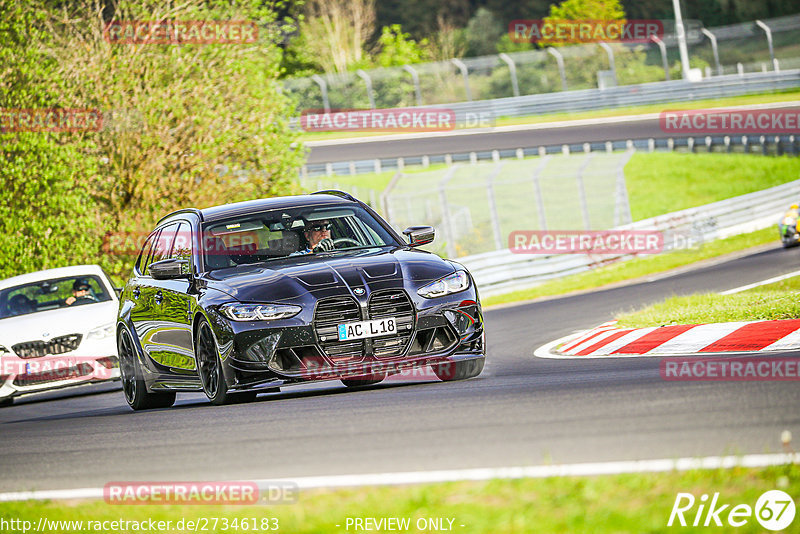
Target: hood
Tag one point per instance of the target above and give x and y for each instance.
(292, 277)
(54, 323)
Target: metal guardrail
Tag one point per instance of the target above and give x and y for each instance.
(501, 271)
(780, 144)
(632, 95)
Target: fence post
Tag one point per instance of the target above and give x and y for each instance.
(387, 212)
(768, 31)
(560, 60)
(622, 207)
(415, 77)
(323, 87)
(611, 64)
(538, 189)
(714, 49)
(663, 48)
(465, 74)
(493, 216)
(587, 225)
(446, 220)
(512, 70)
(361, 73)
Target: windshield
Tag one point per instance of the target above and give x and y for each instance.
(294, 232)
(44, 295)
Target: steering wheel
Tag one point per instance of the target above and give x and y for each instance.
(345, 240)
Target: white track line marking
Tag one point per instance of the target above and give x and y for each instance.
(458, 475)
(761, 283)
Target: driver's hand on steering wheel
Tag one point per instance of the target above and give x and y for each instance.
(325, 245)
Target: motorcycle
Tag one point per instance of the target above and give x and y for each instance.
(789, 232)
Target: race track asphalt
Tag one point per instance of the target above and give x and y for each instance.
(491, 140)
(521, 411)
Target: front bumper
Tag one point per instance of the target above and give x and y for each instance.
(432, 331)
(19, 376)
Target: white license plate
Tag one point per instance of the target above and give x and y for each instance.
(364, 329)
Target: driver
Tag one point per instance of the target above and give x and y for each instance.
(318, 237)
(81, 291)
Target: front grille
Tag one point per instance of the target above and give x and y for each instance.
(57, 345)
(329, 315)
(54, 375)
(392, 303)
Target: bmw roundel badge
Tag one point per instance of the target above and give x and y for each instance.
(359, 291)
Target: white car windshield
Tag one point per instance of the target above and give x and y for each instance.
(43, 295)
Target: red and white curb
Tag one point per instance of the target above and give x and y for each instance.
(607, 340)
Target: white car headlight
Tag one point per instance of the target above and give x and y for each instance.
(259, 312)
(102, 332)
(453, 283)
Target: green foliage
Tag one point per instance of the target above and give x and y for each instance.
(483, 33)
(188, 124)
(397, 48)
(47, 219)
(587, 10)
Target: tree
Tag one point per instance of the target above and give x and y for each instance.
(184, 124)
(396, 48)
(336, 32)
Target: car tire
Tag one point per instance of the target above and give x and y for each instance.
(6, 402)
(209, 368)
(133, 385)
(458, 370)
(366, 380)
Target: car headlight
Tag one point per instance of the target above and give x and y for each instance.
(102, 332)
(259, 312)
(453, 283)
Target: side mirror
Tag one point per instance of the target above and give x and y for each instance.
(419, 235)
(118, 291)
(169, 269)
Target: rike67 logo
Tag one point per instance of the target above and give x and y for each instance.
(774, 510)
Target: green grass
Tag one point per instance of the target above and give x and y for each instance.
(604, 504)
(764, 98)
(637, 267)
(769, 302)
(690, 179)
(661, 183)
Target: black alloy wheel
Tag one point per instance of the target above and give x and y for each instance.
(133, 385)
(209, 368)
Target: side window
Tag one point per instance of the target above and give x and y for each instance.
(182, 248)
(163, 245)
(144, 256)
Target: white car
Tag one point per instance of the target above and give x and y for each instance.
(56, 330)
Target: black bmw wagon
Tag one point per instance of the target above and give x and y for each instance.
(254, 296)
